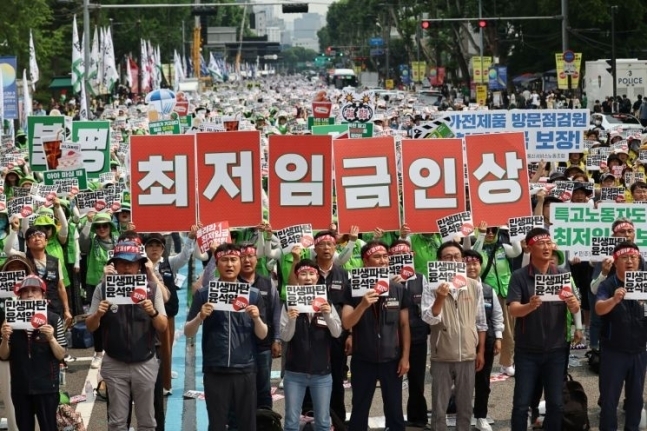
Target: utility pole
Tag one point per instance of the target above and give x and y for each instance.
(140, 74)
(86, 48)
(614, 74)
(196, 46)
(481, 33)
(387, 28)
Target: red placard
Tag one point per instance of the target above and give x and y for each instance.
(229, 177)
(498, 179)
(433, 182)
(163, 182)
(300, 180)
(366, 181)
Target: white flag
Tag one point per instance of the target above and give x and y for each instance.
(83, 109)
(34, 74)
(78, 68)
(158, 68)
(26, 100)
(145, 76)
(129, 73)
(110, 75)
(95, 65)
(178, 71)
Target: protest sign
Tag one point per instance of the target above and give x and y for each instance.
(550, 134)
(162, 168)
(126, 289)
(372, 278)
(22, 207)
(8, 282)
(69, 182)
(300, 180)
(402, 266)
(44, 194)
(333, 130)
(455, 224)
(602, 247)
(595, 161)
(520, 226)
(433, 186)
(91, 202)
(612, 194)
(295, 235)
(94, 138)
(166, 127)
(454, 273)
(39, 127)
(367, 184)
(636, 285)
(218, 232)
(229, 177)
(498, 181)
(25, 314)
(574, 225)
(306, 299)
(226, 296)
(562, 190)
(553, 287)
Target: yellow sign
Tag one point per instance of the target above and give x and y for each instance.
(481, 94)
(357, 69)
(565, 69)
(388, 84)
(480, 69)
(418, 70)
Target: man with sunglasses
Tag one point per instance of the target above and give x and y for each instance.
(47, 267)
(458, 328)
(539, 334)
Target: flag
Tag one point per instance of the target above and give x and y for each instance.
(129, 74)
(83, 108)
(1, 103)
(189, 66)
(178, 71)
(214, 68)
(158, 68)
(203, 67)
(34, 74)
(94, 81)
(110, 75)
(78, 68)
(26, 100)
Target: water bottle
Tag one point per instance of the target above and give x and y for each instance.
(62, 381)
(89, 391)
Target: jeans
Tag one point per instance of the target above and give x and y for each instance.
(548, 367)
(294, 387)
(263, 373)
(616, 369)
(594, 325)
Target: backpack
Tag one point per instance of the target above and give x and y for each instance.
(575, 416)
(593, 357)
(67, 419)
(268, 420)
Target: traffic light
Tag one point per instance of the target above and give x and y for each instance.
(204, 11)
(611, 67)
(482, 23)
(295, 8)
(425, 24)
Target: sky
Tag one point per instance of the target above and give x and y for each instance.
(319, 6)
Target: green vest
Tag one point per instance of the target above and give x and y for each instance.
(499, 274)
(388, 237)
(424, 249)
(355, 260)
(97, 259)
(54, 248)
(3, 256)
(70, 247)
(285, 266)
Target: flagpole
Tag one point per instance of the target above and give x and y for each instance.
(86, 46)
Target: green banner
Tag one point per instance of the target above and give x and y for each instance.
(38, 128)
(312, 121)
(360, 130)
(166, 127)
(334, 129)
(66, 179)
(94, 137)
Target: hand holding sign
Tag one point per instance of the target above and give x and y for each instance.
(535, 302)
(47, 331)
(381, 287)
(370, 298)
(443, 290)
(251, 310)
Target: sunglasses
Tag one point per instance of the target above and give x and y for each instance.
(102, 226)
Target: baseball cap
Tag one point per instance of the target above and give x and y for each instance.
(30, 281)
(155, 237)
(128, 251)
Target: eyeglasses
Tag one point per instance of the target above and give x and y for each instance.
(629, 257)
(37, 234)
(102, 226)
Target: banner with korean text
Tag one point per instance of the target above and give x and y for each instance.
(433, 186)
(229, 177)
(574, 226)
(366, 180)
(300, 180)
(163, 182)
(498, 177)
(550, 134)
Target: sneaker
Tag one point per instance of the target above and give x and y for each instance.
(96, 361)
(174, 375)
(281, 384)
(483, 425)
(508, 370)
(167, 392)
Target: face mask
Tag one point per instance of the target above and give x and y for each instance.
(598, 122)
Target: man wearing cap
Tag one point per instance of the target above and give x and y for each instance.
(166, 269)
(130, 365)
(380, 326)
(458, 333)
(623, 339)
(540, 343)
(228, 346)
(33, 354)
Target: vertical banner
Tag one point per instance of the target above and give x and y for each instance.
(163, 175)
(8, 68)
(94, 138)
(498, 177)
(300, 180)
(433, 183)
(498, 78)
(481, 95)
(437, 76)
(229, 177)
(480, 68)
(366, 181)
